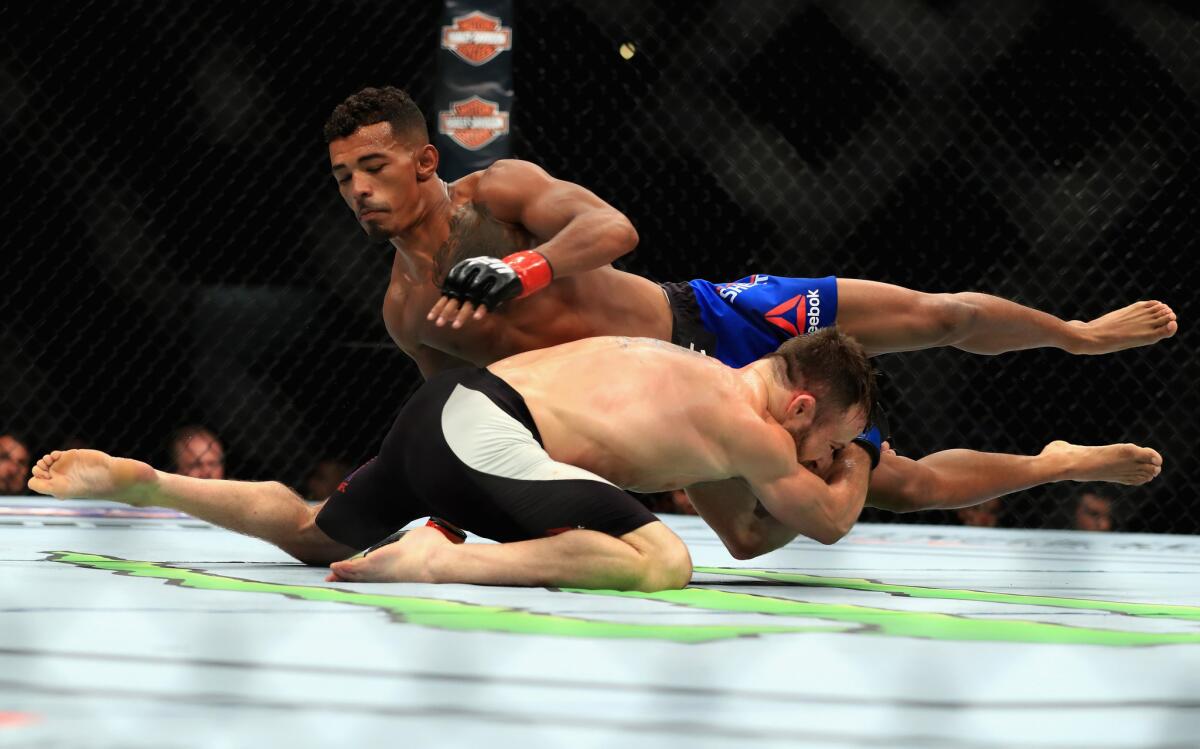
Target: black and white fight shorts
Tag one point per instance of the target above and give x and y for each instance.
(465, 448)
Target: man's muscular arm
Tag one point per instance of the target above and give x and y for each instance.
(822, 509)
(739, 519)
(576, 231)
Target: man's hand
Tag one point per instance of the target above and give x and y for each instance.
(478, 284)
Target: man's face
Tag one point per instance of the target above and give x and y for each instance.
(200, 456)
(376, 175)
(1093, 513)
(816, 442)
(14, 465)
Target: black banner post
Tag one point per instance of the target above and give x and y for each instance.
(475, 94)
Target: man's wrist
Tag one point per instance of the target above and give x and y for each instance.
(532, 268)
(857, 452)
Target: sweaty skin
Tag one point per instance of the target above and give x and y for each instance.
(392, 186)
(704, 422)
(604, 404)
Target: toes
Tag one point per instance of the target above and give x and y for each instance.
(1147, 455)
(346, 570)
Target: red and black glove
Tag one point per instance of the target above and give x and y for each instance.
(489, 282)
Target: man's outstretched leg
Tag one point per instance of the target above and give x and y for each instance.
(263, 509)
(944, 480)
(960, 478)
(887, 318)
(648, 559)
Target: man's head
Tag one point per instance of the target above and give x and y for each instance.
(198, 453)
(831, 387)
(382, 159)
(14, 464)
(1093, 512)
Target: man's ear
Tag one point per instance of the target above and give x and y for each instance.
(426, 159)
(803, 406)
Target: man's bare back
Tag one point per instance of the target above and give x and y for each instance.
(604, 404)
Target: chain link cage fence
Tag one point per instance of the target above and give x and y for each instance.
(175, 251)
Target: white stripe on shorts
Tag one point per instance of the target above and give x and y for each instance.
(484, 437)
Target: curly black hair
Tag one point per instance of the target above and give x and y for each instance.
(371, 105)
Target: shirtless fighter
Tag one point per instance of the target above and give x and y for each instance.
(475, 238)
(532, 451)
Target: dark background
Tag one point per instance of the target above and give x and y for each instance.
(175, 251)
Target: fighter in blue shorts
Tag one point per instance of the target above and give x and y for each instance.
(509, 259)
(736, 322)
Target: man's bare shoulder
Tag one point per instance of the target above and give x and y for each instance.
(505, 177)
(757, 446)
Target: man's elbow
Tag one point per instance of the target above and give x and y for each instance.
(744, 545)
(624, 236)
(829, 537)
(743, 552)
(832, 532)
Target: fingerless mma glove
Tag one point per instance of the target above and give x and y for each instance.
(489, 281)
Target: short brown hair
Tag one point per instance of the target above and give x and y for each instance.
(371, 105)
(831, 363)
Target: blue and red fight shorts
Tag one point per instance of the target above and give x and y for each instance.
(745, 320)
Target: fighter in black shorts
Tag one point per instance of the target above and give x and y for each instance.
(524, 260)
(465, 449)
(531, 451)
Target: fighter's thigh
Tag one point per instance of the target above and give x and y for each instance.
(887, 318)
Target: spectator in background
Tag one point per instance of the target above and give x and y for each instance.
(14, 464)
(196, 452)
(1093, 511)
(986, 515)
(324, 478)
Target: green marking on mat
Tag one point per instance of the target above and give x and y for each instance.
(1162, 610)
(923, 625)
(434, 612)
(865, 620)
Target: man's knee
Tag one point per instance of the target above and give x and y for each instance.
(667, 565)
(675, 567)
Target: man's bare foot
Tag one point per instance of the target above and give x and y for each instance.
(406, 561)
(1139, 324)
(1120, 464)
(91, 474)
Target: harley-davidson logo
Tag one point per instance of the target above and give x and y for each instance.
(477, 37)
(473, 123)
